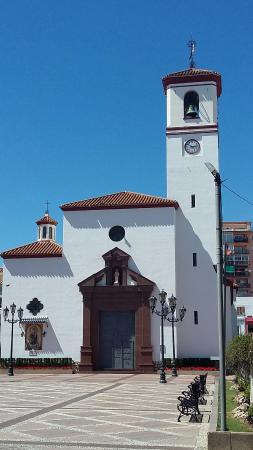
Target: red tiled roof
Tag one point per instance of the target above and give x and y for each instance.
(120, 200)
(192, 75)
(38, 249)
(47, 220)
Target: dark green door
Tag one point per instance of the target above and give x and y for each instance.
(116, 339)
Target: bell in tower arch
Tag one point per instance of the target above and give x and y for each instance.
(191, 105)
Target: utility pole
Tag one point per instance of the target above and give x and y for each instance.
(217, 181)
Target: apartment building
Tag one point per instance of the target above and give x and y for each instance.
(238, 237)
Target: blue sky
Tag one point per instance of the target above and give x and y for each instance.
(82, 110)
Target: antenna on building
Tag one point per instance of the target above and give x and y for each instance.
(192, 45)
(47, 209)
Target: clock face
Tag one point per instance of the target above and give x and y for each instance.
(192, 146)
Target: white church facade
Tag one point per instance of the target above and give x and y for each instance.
(88, 299)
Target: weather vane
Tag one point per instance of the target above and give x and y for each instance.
(192, 45)
(47, 210)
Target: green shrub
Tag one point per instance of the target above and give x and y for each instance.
(250, 412)
(244, 387)
(239, 357)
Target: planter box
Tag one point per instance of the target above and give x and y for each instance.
(38, 370)
(229, 440)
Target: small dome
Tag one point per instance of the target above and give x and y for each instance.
(46, 219)
(46, 228)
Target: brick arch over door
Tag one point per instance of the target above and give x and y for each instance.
(125, 291)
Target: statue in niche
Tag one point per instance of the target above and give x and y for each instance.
(33, 337)
(116, 277)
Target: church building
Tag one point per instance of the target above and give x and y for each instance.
(89, 298)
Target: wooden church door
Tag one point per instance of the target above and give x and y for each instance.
(116, 339)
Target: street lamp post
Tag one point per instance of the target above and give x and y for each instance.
(218, 208)
(173, 320)
(12, 321)
(164, 313)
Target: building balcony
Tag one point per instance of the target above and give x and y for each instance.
(240, 251)
(238, 264)
(242, 293)
(241, 238)
(243, 285)
(241, 273)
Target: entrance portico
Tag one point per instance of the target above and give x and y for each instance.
(116, 318)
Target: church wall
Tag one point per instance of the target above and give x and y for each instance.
(198, 292)
(149, 239)
(50, 280)
(195, 233)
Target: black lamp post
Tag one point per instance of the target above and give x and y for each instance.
(12, 321)
(221, 306)
(163, 314)
(173, 320)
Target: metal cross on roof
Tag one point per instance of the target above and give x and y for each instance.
(47, 209)
(192, 45)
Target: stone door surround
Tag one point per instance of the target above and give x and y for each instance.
(116, 288)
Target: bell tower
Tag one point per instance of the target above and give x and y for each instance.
(192, 140)
(46, 227)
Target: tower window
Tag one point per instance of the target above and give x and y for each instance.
(193, 200)
(191, 105)
(50, 233)
(196, 318)
(194, 259)
(44, 233)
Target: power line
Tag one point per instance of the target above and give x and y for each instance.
(238, 195)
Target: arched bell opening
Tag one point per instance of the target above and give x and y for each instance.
(191, 105)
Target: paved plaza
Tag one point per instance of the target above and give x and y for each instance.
(97, 411)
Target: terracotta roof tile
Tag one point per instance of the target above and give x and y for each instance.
(120, 200)
(38, 249)
(47, 220)
(192, 71)
(193, 74)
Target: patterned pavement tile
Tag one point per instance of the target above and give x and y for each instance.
(96, 411)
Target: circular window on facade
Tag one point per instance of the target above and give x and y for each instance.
(117, 233)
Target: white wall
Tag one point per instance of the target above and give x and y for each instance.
(149, 239)
(49, 280)
(247, 303)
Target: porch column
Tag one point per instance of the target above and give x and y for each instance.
(146, 350)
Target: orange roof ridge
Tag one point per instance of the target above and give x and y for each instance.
(120, 200)
(37, 249)
(46, 219)
(194, 75)
(191, 71)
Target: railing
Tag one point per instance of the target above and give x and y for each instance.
(240, 251)
(243, 285)
(241, 238)
(237, 263)
(243, 273)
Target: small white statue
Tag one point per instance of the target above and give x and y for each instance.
(116, 278)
